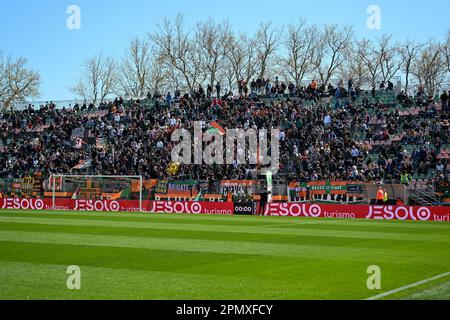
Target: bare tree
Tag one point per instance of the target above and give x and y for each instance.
(134, 69)
(98, 79)
(212, 42)
(267, 39)
(228, 75)
(409, 51)
(447, 51)
(242, 57)
(368, 53)
(178, 51)
(430, 67)
(17, 82)
(142, 70)
(354, 67)
(381, 59)
(174, 81)
(330, 47)
(299, 45)
(158, 74)
(389, 58)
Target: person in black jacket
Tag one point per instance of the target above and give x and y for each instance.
(218, 90)
(263, 202)
(444, 100)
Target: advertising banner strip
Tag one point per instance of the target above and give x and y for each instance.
(214, 208)
(228, 208)
(359, 212)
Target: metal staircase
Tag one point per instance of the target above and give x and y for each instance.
(424, 197)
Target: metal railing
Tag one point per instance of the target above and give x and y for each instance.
(424, 196)
(59, 104)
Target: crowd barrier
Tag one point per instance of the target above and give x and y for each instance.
(229, 208)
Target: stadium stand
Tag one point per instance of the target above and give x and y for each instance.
(327, 134)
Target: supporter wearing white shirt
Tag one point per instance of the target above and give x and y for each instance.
(355, 172)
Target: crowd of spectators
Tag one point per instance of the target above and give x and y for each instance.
(326, 133)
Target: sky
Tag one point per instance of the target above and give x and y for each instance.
(37, 29)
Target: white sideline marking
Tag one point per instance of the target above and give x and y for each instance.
(409, 286)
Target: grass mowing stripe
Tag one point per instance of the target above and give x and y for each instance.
(206, 235)
(317, 231)
(132, 257)
(439, 291)
(147, 216)
(236, 276)
(388, 226)
(243, 220)
(241, 279)
(23, 282)
(288, 277)
(211, 246)
(409, 286)
(340, 225)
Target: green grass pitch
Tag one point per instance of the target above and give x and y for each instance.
(144, 256)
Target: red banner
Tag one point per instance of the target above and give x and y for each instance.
(227, 208)
(359, 212)
(216, 208)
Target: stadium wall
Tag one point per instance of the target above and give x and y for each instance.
(228, 208)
